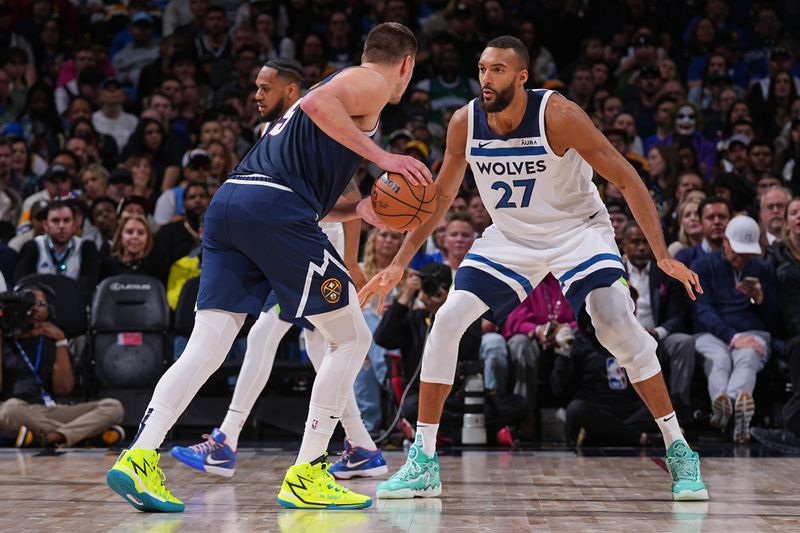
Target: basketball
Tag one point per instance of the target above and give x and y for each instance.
(400, 205)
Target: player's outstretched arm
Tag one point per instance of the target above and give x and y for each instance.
(447, 184)
(568, 126)
(359, 93)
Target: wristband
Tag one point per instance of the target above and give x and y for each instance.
(62, 342)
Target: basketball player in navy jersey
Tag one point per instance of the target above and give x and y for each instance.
(532, 153)
(279, 85)
(262, 234)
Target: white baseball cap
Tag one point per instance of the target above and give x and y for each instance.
(743, 234)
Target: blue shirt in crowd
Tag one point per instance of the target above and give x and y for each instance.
(722, 310)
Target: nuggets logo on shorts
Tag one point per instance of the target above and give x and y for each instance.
(331, 290)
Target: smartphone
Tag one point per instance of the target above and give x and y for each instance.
(751, 280)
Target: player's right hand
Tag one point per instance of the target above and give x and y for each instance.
(381, 285)
(413, 169)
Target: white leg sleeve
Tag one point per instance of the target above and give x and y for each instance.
(440, 358)
(213, 334)
(616, 327)
(351, 416)
(262, 344)
(348, 339)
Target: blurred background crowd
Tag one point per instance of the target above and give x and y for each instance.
(120, 120)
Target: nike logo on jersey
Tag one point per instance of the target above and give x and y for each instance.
(482, 145)
(594, 215)
(356, 464)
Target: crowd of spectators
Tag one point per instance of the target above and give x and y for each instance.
(119, 121)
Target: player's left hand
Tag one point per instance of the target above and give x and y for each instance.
(679, 271)
(365, 212)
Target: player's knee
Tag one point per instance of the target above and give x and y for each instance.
(617, 329)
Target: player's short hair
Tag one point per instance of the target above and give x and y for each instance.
(289, 69)
(511, 42)
(388, 43)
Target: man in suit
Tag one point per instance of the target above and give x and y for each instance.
(662, 310)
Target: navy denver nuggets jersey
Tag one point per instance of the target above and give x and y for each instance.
(295, 151)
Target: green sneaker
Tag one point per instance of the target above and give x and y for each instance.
(418, 477)
(684, 466)
(137, 477)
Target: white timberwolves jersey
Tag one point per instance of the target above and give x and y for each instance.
(530, 192)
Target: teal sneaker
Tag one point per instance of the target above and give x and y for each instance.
(418, 477)
(684, 466)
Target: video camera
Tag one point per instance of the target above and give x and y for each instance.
(14, 312)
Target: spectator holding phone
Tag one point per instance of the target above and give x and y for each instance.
(734, 315)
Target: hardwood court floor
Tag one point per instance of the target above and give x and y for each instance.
(483, 491)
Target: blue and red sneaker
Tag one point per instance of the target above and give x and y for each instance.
(212, 456)
(358, 462)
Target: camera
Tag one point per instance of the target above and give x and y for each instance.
(14, 310)
(435, 277)
(430, 284)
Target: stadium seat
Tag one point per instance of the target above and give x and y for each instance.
(70, 306)
(128, 331)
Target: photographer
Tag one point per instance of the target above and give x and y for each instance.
(35, 365)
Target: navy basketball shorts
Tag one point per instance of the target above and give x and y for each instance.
(260, 237)
(503, 271)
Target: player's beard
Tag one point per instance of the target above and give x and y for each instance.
(275, 112)
(501, 100)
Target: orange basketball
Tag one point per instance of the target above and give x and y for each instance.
(400, 205)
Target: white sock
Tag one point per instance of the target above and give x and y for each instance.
(319, 427)
(354, 426)
(211, 338)
(232, 426)
(426, 437)
(670, 429)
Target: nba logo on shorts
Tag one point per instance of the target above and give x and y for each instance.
(331, 290)
(617, 379)
(314, 423)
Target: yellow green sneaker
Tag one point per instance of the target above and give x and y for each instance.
(311, 486)
(137, 477)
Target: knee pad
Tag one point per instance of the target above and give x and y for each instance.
(616, 327)
(441, 349)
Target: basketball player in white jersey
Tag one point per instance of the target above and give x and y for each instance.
(279, 85)
(532, 154)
